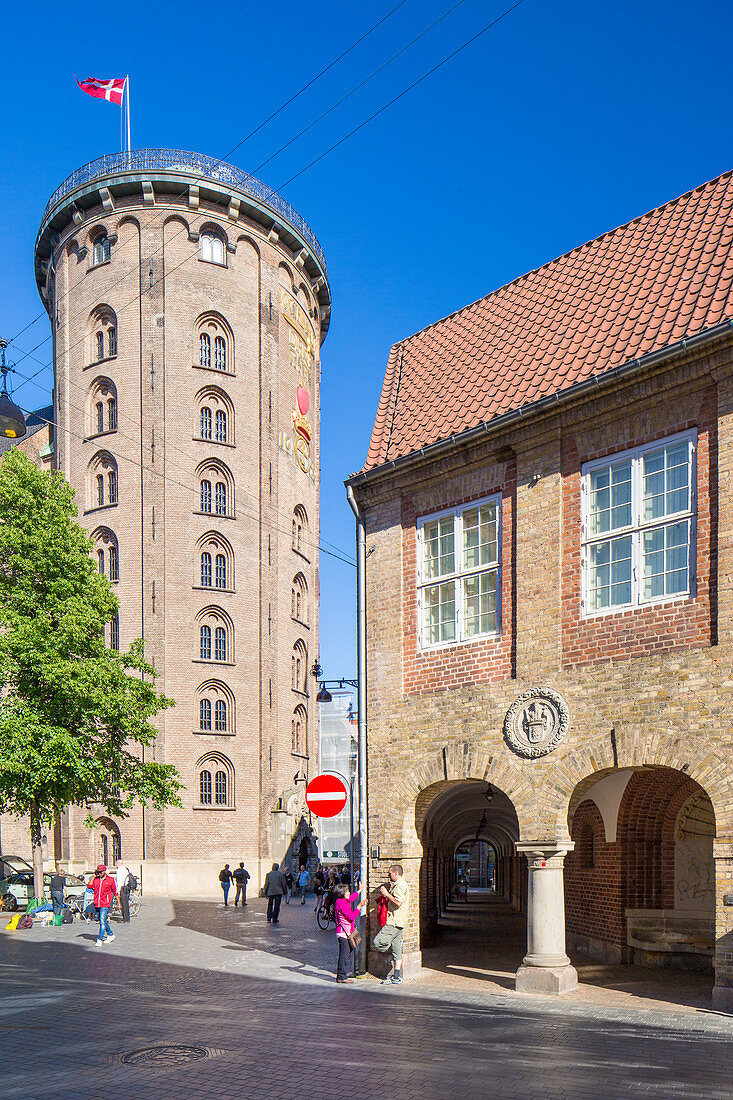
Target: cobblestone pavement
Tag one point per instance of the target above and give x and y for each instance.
(192, 1000)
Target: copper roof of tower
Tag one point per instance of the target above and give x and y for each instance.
(664, 276)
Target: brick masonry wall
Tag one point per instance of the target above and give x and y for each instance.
(660, 696)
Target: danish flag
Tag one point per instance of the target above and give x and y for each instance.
(111, 90)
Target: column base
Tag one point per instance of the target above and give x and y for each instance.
(545, 979)
(723, 998)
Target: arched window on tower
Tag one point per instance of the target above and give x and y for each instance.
(212, 248)
(205, 495)
(220, 789)
(204, 350)
(300, 531)
(100, 560)
(299, 745)
(216, 702)
(221, 498)
(221, 571)
(221, 426)
(206, 422)
(299, 667)
(101, 251)
(100, 416)
(111, 341)
(220, 793)
(220, 716)
(205, 642)
(114, 633)
(114, 564)
(220, 644)
(112, 414)
(206, 570)
(220, 353)
(205, 787)
(100, 489)
(112, 486)
(299, 599)
(205, 715)
(100, 346)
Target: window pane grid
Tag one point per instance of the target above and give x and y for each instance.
(460, 554)
(651, 560)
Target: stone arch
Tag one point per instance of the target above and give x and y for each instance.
(213, 692)
(299, 607)
(107, 842)
(102, 334)
(214, 764)
(244, 238)
(106, 545)
(99, 494)
(299, 672)
(285, 276)
(177, 219)
(215, 618)
(130, 219)
(568, 784)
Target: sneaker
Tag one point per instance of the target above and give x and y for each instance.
(393, 979)
(99, 943)
(387, 980)
(109, 939)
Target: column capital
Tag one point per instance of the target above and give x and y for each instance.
(545, 854)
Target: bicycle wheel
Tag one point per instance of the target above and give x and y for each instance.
(134, 904)
(323, 917)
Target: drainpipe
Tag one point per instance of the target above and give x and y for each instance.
(361, 697)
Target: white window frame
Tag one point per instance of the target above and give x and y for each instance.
(459, 573)
(638, 526)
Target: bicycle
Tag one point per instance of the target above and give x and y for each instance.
(325, 913)
(134, 901)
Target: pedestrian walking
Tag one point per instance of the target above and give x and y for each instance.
(288, 885)
(389, 938)
(304, 881)
(225, 881)
(274, 889)
(241, 878)
(346, 935)
(58, 885)
(122, 882)
(104, 888)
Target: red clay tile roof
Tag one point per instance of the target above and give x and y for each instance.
(664, 276)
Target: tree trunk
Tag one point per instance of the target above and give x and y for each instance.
(36, 849)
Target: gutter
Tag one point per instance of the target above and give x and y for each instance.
(361, 674)
(505, 420)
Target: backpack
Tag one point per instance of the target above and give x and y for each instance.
(131, 882)
(25, 921)
(68, 917)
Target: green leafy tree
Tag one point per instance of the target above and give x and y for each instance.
(74, 715)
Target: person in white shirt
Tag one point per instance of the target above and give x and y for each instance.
(122, 882)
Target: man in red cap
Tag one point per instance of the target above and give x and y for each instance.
(104, 889)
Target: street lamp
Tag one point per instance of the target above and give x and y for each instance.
(12, 421)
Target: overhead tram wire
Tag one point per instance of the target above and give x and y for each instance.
(404, 92)
(224, 157)
(190, 488)
(375, 114)
(152, 470)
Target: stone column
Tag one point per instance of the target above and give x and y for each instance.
(545, 968)
(723, 990)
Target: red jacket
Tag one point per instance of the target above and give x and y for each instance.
(104, 890)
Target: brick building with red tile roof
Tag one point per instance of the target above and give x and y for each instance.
(548, 516)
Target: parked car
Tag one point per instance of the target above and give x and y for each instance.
(16, 889)
(9, 865)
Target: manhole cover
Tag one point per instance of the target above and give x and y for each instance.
(163, 1057)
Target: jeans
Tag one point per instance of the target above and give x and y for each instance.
(57, 900)
(225, 890)
(303, 892)
(241, 889)
(104, 928)
(346, 953)
(273, 907)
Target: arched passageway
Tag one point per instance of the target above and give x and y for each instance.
(640, 882)
(472, 881)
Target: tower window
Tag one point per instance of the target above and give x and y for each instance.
(221, 788)
(102, 251)
(221, 426)
(205, 643)
(221, 570)
(100, 489)
(111, 341)
(205, 788)
(212, 248)
(205, 714)
(100, 416)
(114, 565)
(114, 633)
(206, 496)
(221, 499)
(112, 414)
(220, 644)
(100, 560)
(206, 570)
(112, 482)
(204, 350)
(220, 353)
(100, 346)
(206, 422)
(220, 719)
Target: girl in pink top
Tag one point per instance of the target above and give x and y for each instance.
(346, 919)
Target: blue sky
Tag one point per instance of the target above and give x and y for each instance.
(565, 120)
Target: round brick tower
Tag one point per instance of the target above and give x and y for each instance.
(188, 304)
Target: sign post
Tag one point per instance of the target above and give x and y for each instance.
(326, 796)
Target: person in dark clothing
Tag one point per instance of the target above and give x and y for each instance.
(274, 889)
(241, 878)
(58, 885)
(225, 880)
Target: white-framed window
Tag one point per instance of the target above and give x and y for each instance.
(101, 251)
(459, 573)
(212, 248)
(638, 526)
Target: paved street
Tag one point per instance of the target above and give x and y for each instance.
(259, 1012)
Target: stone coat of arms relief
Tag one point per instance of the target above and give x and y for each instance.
(536, 722)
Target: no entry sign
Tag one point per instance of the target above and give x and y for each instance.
(326, 795)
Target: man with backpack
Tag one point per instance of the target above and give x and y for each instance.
(124, 883)
(241, 878)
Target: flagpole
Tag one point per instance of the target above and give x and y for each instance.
(127, 101)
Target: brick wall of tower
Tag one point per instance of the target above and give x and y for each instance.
(158, 286)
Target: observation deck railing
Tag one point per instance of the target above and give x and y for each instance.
(172, 160)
